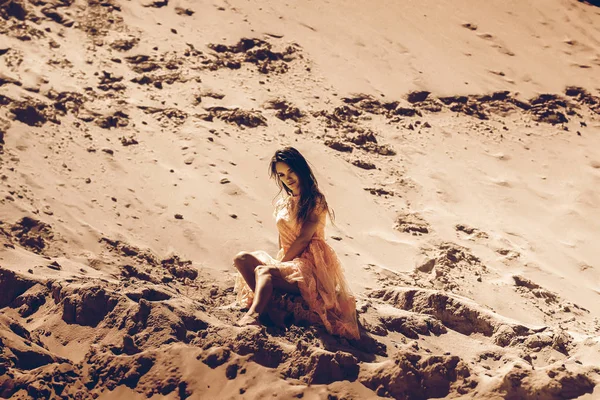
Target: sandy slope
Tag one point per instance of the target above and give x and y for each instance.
(457, 142)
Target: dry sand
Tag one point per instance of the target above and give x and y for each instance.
(458, 143)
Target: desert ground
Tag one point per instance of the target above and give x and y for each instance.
(458, 143)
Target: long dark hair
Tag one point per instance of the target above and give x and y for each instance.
(310, 195)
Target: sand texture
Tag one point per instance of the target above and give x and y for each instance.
(458, 143)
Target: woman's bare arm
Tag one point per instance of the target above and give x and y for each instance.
(306, 233)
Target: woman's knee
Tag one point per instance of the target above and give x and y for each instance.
(263, 271)
(241, 259)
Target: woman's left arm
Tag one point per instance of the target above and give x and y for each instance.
(306, 233)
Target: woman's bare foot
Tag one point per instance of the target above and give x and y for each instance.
(249, 319)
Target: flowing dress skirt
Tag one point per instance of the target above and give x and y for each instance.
(319, 276)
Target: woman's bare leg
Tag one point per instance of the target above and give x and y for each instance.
(267, 278)
(246, 263)
(264, 289)
(262, 294)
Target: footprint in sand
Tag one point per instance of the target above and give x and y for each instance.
(496, 43)
(470, 232)
(412, 223)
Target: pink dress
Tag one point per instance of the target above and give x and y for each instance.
(317, 271)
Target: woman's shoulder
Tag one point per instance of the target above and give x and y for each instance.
(321, 206)
(280, 203)
(320, 202)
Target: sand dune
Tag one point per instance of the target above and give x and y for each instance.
(457, 142)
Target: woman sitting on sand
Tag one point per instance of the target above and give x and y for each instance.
(305, 263)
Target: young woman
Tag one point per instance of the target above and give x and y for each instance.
(305, 263)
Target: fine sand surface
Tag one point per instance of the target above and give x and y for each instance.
(458, 143)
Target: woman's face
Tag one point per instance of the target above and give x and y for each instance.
(288, 176)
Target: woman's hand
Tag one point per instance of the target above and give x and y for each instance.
(306, 233)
